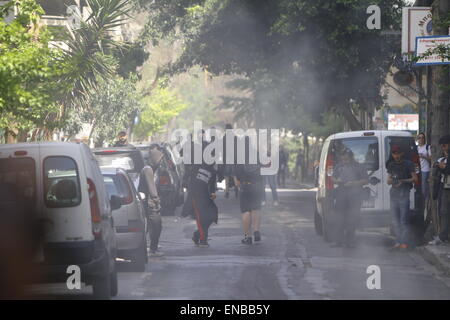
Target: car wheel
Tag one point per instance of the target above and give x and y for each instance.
(139, 259)
(318, 223)
(102, 284)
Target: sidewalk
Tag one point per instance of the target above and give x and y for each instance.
(439, 256)
(292, 184)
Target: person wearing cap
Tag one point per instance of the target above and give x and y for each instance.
(122, 140)
(442, 191)
(350, 176)
(401, 176)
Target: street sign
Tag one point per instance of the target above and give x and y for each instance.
(426, 44)
(416, 22)
(408, 122)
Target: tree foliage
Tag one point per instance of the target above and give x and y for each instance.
(317, 54)
(29, 69)
(158, 108)
(111, 107)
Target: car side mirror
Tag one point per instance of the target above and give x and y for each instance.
(374, 181)
(115, 202)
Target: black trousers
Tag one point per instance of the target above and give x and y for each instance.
(444, 214)
(347, 212)
(204, 220)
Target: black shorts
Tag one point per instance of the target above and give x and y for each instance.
(250, 197)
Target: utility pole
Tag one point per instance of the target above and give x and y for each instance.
(439, 109)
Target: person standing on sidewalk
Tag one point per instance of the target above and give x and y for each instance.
(401, 176)
(272, 181)
(442, 166)
(350, 177)
(283, 171)
(424, 150)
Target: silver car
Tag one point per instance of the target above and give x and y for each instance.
(129, 220)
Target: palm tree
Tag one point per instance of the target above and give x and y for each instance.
(88, 54)
(87, 58)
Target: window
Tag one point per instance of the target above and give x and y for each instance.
(364, 149)
(61, 182)
(18, 180)
(123, 161)
(116, 185)
(407, 144)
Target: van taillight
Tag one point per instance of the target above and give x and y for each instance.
(96, 216)
(329, 167)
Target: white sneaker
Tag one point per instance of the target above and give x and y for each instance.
(156, 254)
(435, 242)
(275, 203)
(263, 203)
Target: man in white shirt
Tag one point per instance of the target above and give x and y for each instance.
(425, 163)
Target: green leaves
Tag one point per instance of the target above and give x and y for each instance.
(29, 71)
(88, 56)
(157, 110)
(109, 107)
(36, 81)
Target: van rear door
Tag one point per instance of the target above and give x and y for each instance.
(65, 194)
(366, 150)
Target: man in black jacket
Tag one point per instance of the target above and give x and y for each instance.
(200, 201)
(122, 140)
(442, 166)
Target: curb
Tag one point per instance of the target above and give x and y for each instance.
(438, 256)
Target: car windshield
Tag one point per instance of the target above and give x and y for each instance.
(407, 145)
(116, 160)
(365, 150)
(116, 185)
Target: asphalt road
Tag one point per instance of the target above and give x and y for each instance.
(291, 262)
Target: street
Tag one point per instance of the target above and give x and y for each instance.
(291, 262)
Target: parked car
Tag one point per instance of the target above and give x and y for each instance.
(130, 219)
(168, 180)
(129, 159)
(63, 183)
(371, 149)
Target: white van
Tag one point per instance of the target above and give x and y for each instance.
(63, 185)
(372, 149)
